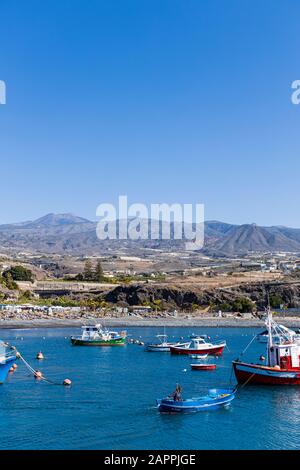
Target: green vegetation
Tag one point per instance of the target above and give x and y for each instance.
(98, 275)
(95, 274)
(276, 300)
(243, 305)
(225, 307)
(65, 301)
(127, 278)
(19, 273)
(8, 282)
(240, 304)
(91, 274)
(88, 271)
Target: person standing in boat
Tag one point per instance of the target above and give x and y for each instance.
(177, 394)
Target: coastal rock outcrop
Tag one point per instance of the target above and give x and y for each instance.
(176, 296)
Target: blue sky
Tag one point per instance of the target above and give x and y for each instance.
(162, 100)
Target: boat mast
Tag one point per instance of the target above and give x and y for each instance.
(269, 328)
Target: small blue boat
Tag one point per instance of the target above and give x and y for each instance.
(7, 358)
(216, 398)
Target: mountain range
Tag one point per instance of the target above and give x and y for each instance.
(70, 234)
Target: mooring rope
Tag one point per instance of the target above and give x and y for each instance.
(245, 383)
(32, 370)
(248, 345)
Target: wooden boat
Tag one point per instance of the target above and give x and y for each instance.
(203, 366)
(282, 365)
(96, 336)
(216, 398)
(162, 346)
(198, 346)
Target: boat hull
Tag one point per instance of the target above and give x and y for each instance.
(259, 375)
(111, 342)
(154, 348)
(164, 347)
(203, 366)
(4, 368)
(222, 399)
(214, 351)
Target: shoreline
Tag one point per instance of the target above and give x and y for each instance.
(143, 322)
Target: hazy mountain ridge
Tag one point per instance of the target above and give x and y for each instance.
(68, 233)
(252, 238)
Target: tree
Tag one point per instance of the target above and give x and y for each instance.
(9, 282)
(98, 276)
(19, 273)
(88, 272)
(26, 295)
(243, 305)
(276, 300)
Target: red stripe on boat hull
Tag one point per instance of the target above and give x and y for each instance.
(253, 378)
(217, 351)
(203, 367)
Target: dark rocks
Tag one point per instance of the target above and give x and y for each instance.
(176, 296)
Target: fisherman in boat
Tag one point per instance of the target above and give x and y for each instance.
(177, 394)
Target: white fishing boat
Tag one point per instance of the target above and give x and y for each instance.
(263, 336)
(95, 335)
(199, 346)
(162, 345)
(281, 366)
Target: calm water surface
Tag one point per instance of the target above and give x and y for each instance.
(111, 404)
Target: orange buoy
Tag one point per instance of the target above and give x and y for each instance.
(14, 366)
(11, 369)
(67, 382)
(40, 355)
(38, 374)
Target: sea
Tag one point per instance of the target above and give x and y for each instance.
(112, 401)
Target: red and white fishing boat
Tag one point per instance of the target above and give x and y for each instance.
(282, 364)
(199, 345)
(203, 366)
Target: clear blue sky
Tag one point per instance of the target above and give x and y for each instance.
(163, 100)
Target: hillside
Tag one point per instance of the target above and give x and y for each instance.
(67, 233)
(252, 238)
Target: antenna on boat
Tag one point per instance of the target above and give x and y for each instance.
(269, 326)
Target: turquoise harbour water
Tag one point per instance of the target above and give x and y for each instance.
(111, 404)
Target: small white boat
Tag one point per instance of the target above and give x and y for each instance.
(199, 356)
(199, 346)
(162, 346)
